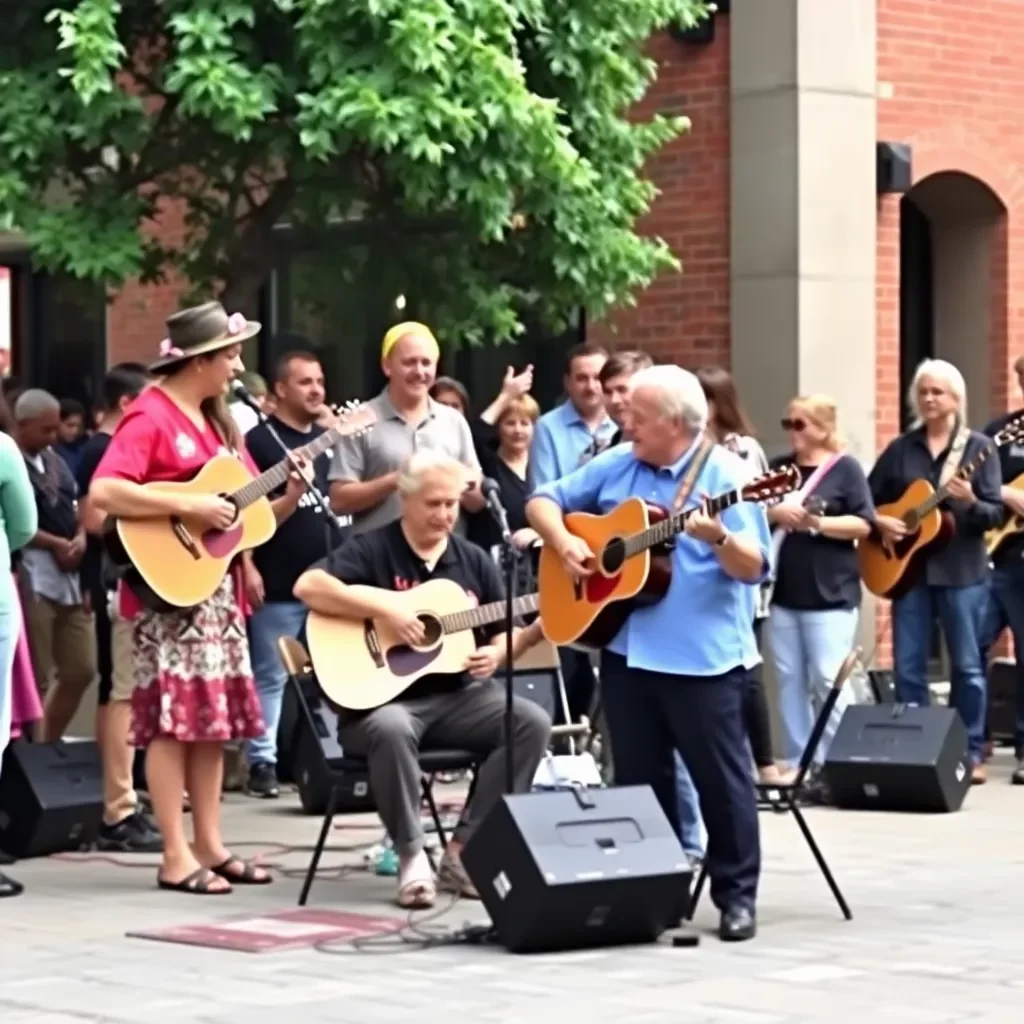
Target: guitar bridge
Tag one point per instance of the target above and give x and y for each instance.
(185, 538)
(372, 642)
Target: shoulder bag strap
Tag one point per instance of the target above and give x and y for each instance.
(700, 457)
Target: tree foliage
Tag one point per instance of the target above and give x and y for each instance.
(487, 144)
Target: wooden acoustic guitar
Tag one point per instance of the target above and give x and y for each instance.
(362, 664)
(171, 562)
(892, 569)
(633, 563)
(1014, 524)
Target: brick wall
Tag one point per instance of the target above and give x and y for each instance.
(685, 317)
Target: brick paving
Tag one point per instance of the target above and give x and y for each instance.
(937, 903)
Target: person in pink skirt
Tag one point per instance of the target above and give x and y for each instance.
(194, 688)
(26, 707)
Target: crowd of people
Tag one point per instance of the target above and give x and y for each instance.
(685, 709)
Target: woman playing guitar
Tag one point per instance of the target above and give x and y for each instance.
(193, 682)
(953, 582)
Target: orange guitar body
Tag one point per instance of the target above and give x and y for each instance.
(175, 563)
(891, 571)
(589, 612)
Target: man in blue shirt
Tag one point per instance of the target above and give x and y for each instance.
(675, 675)
(563, 440)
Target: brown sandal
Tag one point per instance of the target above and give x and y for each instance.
(246, 876)
(198, 884)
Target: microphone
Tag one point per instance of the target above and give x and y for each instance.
(241, 392)
(491, 490)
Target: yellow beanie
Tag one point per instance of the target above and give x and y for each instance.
(399, 331)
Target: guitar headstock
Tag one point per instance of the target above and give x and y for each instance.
(353, 418)
(772, 485)
(1013, 431)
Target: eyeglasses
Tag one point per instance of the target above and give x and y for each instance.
(795, 425)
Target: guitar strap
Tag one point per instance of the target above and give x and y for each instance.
(955, 456)
(700, 457)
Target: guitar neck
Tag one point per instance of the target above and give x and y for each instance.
(277, 475)
(473, 618)
(663, 532)
(963, 473)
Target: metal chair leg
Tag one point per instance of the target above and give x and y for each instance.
(314, 863)
(427, 785)
(697, 890)
(825, 870)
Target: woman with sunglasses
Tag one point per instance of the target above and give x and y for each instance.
(816, 596)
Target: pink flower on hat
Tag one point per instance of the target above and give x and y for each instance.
(236, 323)
(167, 349)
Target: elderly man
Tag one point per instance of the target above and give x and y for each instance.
(464, 710)
(60, 628)
(668, 688)
(365, 471)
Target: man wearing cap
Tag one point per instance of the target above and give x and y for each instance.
(364, 473)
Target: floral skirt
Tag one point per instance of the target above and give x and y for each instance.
(193, 677)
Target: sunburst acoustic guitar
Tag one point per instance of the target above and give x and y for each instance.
(1014, 524)
(362, 664)
(633, 563)
(170, 562)
(891, 570)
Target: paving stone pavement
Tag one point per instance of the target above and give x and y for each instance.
(935, 938)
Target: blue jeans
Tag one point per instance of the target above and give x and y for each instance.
(275, 619)
(691, 824)
(962, 612)
(1006, 609)
(807, 649)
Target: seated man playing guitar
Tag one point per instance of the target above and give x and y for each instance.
(464, 711)
(675, 676)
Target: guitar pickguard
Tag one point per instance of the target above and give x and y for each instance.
(599, 588)
(404, 660)
(221, 543)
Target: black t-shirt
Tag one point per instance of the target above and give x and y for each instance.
(1011, 466)
(816, 573)
(481, 527)
(302, 538)
(383, 558)
(89, 457)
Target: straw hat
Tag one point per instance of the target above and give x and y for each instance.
(201, 330)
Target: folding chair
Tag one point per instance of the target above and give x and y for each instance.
(784, 798)
(299, 667)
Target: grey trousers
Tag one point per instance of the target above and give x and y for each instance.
(472, 719)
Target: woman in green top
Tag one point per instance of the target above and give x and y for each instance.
(18, 525)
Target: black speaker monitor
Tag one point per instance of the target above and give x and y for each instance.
(51, 798)
(896, 757)
(571, 869)
(893, 168)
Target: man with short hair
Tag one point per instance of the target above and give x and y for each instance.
(125, 827)
(464, 711)
(302, 538)
(675, 676)
(616, 378)
(579, 428)
(364, 473)
(60, 630)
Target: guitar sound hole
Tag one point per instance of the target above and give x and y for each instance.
(431, 628)
(613, 556)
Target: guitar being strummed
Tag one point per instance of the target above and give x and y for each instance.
(936, 493)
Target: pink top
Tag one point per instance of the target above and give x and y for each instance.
(156, 441)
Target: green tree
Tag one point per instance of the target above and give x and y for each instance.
(487, 144)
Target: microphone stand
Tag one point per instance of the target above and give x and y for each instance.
(509, 565)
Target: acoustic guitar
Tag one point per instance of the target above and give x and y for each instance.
(173, 562)
(633, 563)
(1014, 524)
(893, 569)
(362, 664)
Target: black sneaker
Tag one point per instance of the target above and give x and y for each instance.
(1017, 778)
(134, 834)
(263, 782)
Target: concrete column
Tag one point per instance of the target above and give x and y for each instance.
(803, 124)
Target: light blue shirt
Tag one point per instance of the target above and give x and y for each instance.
(562, 442)
(704, 626)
